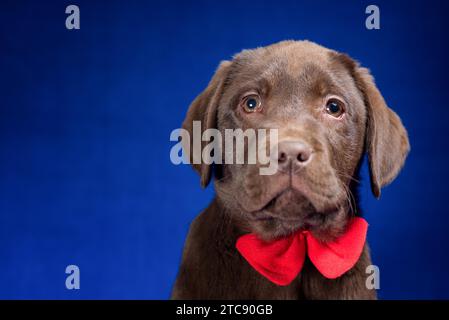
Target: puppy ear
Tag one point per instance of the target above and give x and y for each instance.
(204, 109)
(386, 142)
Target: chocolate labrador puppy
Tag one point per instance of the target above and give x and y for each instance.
(328, 112)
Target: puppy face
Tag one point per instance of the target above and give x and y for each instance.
(326, 109)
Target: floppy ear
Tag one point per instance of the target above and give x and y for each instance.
(386, 142)
(204, 109)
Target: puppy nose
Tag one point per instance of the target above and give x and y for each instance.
(296, 153)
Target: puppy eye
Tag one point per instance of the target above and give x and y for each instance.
(335, 108)
(252, 103)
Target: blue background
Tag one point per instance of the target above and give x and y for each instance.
(85, 119)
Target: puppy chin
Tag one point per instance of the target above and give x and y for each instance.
(272, 229)
(325, 226)
(282, 216)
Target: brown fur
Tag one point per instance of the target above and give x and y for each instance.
(293, 79)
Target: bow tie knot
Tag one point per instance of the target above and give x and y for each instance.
(281, 260)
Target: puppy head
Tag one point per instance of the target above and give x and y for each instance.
(327, 111)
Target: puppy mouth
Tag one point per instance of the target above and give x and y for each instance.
(307, 221)
(290, 211)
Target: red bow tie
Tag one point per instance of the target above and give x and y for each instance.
(281, 261)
